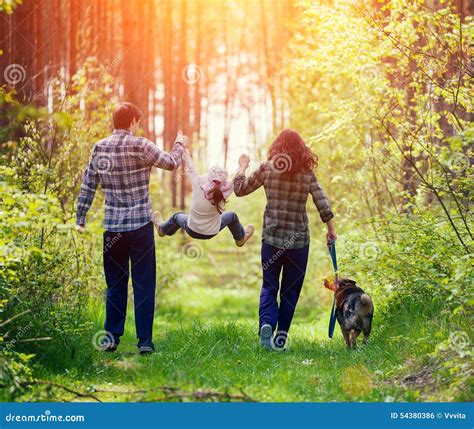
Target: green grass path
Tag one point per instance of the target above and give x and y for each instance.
(206, 341)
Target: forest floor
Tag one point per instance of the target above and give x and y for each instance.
(206, 342)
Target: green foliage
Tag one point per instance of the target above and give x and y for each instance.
(206, 337)
(377, 92)
(423, 249)
(413, 265)
(14, 374)
(383, 96)
(47, 272)
(380, 99)
(50, 274)
(42, 273)
(54, 146)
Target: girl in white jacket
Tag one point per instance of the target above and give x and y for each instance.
(206, 215)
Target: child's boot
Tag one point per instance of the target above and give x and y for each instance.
(249, 230)
(157, 221)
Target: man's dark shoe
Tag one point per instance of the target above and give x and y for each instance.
(146, 350)
(108, 346)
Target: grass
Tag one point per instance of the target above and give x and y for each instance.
(205, 335)
(206, 340)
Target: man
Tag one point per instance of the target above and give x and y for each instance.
(122, 164)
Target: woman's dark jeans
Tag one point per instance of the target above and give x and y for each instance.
(180, 220)
(292, 264)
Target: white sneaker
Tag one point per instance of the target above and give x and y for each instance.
(249, 230)
(157, 220)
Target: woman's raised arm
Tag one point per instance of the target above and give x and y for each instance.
(246, 185)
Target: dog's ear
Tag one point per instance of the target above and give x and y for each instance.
(347, 283)
(330, 284)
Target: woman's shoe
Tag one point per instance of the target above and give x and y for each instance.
(266, 340)
(249, 230)
(279, 341)
(157, 221)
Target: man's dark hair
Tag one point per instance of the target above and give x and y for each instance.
(125, 114)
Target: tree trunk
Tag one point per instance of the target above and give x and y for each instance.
(73, 20)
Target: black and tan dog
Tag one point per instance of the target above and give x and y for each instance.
(354, 310)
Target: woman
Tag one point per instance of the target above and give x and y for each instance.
(288, 179)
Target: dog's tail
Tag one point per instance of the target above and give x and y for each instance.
(365, 305)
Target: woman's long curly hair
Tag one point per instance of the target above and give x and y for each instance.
(290, 154)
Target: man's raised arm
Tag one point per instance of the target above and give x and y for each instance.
(155, 157)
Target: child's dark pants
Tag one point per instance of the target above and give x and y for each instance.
(180, 220)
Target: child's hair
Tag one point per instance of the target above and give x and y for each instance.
(216, 186)
(216, 196)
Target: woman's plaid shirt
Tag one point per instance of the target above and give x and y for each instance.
(122, 164)
(285, 222)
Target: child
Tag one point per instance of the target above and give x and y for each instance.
(206, 217)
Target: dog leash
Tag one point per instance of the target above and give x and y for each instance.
(332, 317)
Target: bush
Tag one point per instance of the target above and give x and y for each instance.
(418, 272)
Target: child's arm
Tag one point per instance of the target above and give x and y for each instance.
(229, 190)
(193, 174)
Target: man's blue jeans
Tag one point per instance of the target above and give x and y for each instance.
(180, 220)
(121, 249)
(291, 264)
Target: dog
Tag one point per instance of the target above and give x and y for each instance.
(354, 310)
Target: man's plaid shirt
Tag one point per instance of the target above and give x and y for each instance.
(122, 164)
(285, 222)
